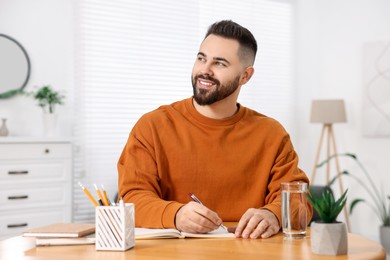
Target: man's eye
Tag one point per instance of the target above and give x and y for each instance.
(220, 64)
(201, 59)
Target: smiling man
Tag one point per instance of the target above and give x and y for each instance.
(231, 157)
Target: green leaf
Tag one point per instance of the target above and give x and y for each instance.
(354, 203)
(333, 180)
(327, 208)
(351, 155)
(48, 98)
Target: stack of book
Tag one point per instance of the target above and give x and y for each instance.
(63, 234)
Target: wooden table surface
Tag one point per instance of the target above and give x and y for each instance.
(191, 248)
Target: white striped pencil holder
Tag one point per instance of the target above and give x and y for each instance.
(115, 227)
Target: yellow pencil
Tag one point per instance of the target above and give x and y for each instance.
(89, 195)
(100, 195)
(106, 200)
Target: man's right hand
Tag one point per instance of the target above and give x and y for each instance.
(196, 218)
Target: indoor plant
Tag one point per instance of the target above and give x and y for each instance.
(328, 236)
(47, 99)
(380, 203)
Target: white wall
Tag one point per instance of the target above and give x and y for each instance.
(45, 29)
(329, 43)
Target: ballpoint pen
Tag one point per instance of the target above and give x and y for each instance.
(194, 198)
(86, 191)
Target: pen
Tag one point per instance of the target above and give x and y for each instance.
(100, 195)
(89, 195)
(194, 198)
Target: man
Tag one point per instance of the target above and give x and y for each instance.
(231, 157)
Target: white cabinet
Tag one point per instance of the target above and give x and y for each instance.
(35, 183)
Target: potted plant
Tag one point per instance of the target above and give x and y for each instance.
(379, 202)
(328, 236)
(47, 99)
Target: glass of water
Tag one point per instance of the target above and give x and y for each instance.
(294, 209)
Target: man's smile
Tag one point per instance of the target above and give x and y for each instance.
(205, 84)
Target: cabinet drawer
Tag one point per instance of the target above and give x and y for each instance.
(16, 224)
(34, 151)
(34, 197)
(25, 172)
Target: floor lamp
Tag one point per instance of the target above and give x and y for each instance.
(328, 112)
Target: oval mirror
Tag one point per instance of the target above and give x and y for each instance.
(14, 67)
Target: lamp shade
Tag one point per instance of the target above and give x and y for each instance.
(328, 111)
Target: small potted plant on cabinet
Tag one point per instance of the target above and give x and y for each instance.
(47, 99)
(328, 236)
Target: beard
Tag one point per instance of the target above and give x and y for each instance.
(209, 96)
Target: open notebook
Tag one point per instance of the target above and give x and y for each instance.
(151, 233)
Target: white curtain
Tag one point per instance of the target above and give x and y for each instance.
(133, 56)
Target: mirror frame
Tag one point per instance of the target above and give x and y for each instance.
(13, 92)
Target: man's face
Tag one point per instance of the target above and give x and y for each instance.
(217, 70)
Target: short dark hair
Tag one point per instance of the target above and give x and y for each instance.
(231, 30)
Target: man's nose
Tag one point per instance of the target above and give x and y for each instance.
(206, 69)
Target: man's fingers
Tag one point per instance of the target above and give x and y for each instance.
(271, 230)
(196, 218)
(252, 224)
(243, 222)
(208, 217)
(261, 229)
(257, 223)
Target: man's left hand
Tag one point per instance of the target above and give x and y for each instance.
(256, 223)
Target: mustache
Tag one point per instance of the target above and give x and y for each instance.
(206, 77)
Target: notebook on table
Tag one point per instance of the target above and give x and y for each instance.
(61, 230)
(154, 233)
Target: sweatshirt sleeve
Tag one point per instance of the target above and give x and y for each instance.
(138, 183)
(285, 169)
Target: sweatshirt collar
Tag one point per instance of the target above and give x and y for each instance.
(210, 121)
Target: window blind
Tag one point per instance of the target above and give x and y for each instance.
(133, 56)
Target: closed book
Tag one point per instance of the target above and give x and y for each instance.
(64, 241)
(61, 230)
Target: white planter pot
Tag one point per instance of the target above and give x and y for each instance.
(329, 238)
(49, 124)
(385, 237)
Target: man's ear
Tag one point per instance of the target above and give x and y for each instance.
(247, 75)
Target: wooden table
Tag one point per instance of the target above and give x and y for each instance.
(191, 248)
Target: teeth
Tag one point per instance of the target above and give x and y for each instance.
(205, 83)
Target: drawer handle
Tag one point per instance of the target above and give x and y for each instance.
(17, 225)
(23, 197)
(17, 172)
(47, 151)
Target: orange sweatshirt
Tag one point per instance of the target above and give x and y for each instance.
(231, 165)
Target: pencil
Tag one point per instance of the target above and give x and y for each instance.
(89, 195)
(105, 197)
(99, 195)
